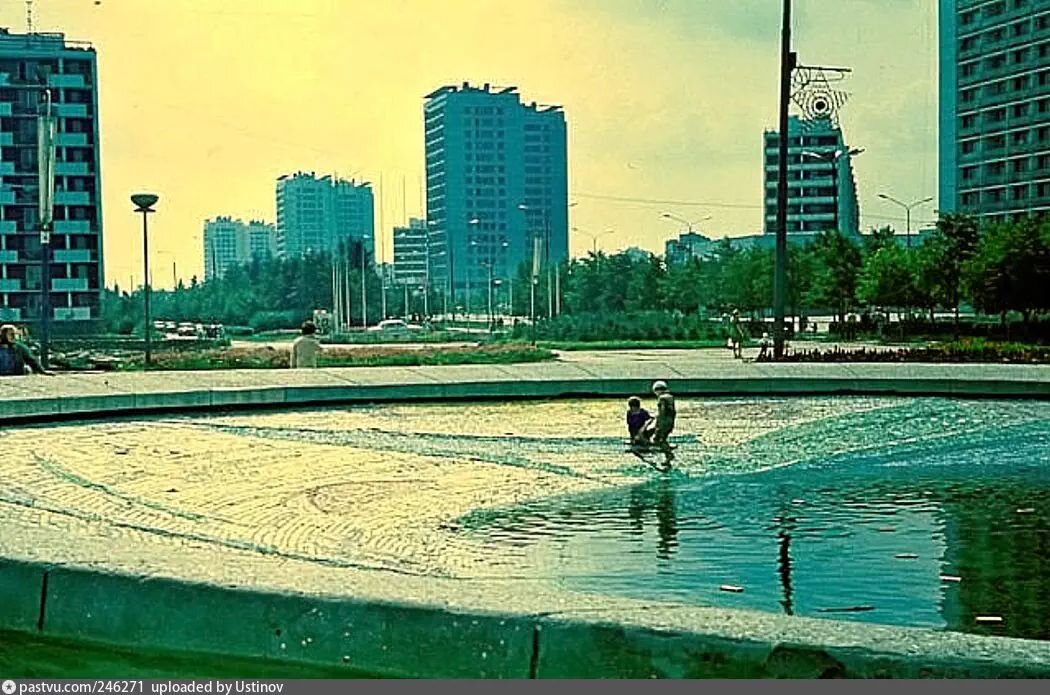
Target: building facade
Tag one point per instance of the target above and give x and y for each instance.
(229, 242)
(822, 190)
(497, 179)
(995, 107)
(688, 246)
(29, 64)
(410, 253)
(317, 214)
(262, 240)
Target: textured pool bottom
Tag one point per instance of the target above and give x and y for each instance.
(428, 491)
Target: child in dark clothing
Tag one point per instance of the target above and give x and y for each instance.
(637, 419)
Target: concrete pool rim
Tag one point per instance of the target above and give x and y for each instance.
(121, 608)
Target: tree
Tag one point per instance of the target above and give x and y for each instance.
(1010, 269)
(952, 244)
(836, 262)
(887, 278)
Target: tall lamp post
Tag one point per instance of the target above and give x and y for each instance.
(832, 159)
(689, 225)
(144, 203)
(594, 237)
(907, 210)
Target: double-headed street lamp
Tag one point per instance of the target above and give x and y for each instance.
(594, 237)
(144, 203)
(907, 209)
(832, 159)
(689, 225)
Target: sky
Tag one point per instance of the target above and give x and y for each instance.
(207, 102)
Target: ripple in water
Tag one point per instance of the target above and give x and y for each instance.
(932, 513)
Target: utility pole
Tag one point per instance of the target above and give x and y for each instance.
(787, 66)
(46, 128)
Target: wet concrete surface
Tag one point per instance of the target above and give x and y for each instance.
(531, 497)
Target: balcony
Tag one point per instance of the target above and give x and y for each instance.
(10, 314)
(71, 169)
(10, 285)
(7, 197)
(7, 168)
(5, 108)
(72, 256)
(72, 198)
(69, 285)
(7, 139)
(67, 80)
(71, 110)
(73, 313)
(72, 226)
(8, 256)
(8, 227)
(71, 140)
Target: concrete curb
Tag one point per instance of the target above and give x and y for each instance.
(25, 399)
(418, 640)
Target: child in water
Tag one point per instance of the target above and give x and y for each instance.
(637, 419)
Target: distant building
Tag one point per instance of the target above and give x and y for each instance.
(688, 246)
(262, 240)
(28, 64)
(814, 183)
(225, 245)
(636, 254)
(995, 107)
(229, 242)
(410, 253)
(316, 215)
(487, 155)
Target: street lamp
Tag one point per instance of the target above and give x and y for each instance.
(594, 237)
(832, 158)
(545, 256)
(689, 225)
(472, 241)
(907, 209)
(144, 203)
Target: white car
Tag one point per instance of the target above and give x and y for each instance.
(393, 326)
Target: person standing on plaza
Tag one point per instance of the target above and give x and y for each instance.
(736, 334)
(305, 348)
(15, 357)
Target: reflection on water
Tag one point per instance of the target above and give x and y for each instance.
(934, 531)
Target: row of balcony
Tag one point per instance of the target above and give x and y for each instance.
(13, 314)
(7, 197)
(58, 227)
(57, 285)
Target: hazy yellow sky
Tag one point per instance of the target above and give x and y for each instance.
(206, 102)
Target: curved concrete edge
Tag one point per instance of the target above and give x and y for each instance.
(434, 641)
(23, 408)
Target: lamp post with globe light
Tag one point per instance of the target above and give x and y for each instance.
(144, 203)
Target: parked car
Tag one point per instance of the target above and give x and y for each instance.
(394, 327)
(187, 330)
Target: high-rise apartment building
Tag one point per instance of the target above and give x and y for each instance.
(410, 253)
(688, 246)
(262, 239)
(822, 191)
(995, 107)
(230, 242)
(317, 214)
(497, 178)
(29, 65)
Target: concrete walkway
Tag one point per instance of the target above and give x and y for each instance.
(616, 374)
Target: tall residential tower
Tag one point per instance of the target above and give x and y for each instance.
(822, 190)
(995, 107)
(29, 65)
(497, 177)
(317, 214)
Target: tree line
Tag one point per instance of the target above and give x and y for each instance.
(996, 268)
